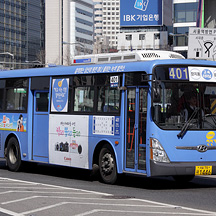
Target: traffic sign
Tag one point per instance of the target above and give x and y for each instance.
(202, 43)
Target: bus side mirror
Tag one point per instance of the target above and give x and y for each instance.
(156, 92)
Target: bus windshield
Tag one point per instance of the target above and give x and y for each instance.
(182, 101)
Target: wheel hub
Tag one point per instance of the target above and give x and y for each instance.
(107, 164)
(12, 155)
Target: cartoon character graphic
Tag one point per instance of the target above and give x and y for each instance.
(141, 4)
(20, 126)
(210, 138)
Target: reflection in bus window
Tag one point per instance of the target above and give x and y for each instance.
(16, 94)
(84, 99)
(42, 101)
(170, 112)
(108, 99)
(16, 99)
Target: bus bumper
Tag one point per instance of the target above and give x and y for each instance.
(178, 168)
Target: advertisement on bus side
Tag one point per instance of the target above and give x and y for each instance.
(60, 95)
(13, 122)
(68, 140)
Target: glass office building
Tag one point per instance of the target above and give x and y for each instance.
(21, 31)
(185, 15)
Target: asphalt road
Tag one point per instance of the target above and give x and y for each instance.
(131, 195)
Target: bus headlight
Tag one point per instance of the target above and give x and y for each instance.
(157, 152)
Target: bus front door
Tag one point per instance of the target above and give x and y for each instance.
(136, 129)
(40, 126)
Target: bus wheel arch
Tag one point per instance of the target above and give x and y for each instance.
(12, 153)
(104, 157)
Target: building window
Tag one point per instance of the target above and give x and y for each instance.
(157, 36)
(128, 37)
(181, 38)
(185, 12)
(142, 37)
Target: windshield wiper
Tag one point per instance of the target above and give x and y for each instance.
(213, 119)
(187, 124)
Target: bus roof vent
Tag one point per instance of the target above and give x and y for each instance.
(115, 58)
(176, 56)
(150, 55)
(104, 59)
(129, 57)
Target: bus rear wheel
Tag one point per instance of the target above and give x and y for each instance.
(107, 165)
(13, 155)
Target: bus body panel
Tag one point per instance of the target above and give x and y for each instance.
(22, 138)
(103, 129)
(68, 140)
(9, 126)
(185, 149)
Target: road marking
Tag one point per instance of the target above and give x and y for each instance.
(136, 212)
(19, 200)
(174, 206)
(9, 212)
(45, 192)
(60, 187)
(6, 192)
(122, 205)
(101, 204)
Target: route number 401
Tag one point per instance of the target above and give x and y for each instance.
(178, 73)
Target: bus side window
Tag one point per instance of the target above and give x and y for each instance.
(84, 99)
(42, 101)
(108, 99)
(16, 94)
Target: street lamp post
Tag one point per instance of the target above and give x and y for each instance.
(12, 56)
(74, 43)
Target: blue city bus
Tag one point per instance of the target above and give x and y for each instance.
(127, 117)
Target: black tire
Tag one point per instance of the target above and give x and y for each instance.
(13, 155)
(183, 179)
(107, 165)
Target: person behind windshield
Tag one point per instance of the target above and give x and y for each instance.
(191, 105)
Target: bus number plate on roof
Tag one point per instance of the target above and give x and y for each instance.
(178, 73)
(203, 170)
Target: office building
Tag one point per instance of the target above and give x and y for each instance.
(144, 24)
(21, 35)
(184, 16)
(206, 14)
(106, 20)
(69, 30)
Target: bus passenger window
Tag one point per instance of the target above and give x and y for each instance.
(16, 99)
(108, 99)
(1, 98)
(42, 101)
(84, 99)
(16, 94)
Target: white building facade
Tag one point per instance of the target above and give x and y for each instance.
(149, 40)
(69, 30)
(184, 16)
(107, 24)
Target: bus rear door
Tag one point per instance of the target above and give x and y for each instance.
(40, 126)
(136, 129)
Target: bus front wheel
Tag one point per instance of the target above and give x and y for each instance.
(107, 165)
(13, 155)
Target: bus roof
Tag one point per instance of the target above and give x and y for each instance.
(101, 68)
(126, 56)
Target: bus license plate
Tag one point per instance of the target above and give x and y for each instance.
(203, 170)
